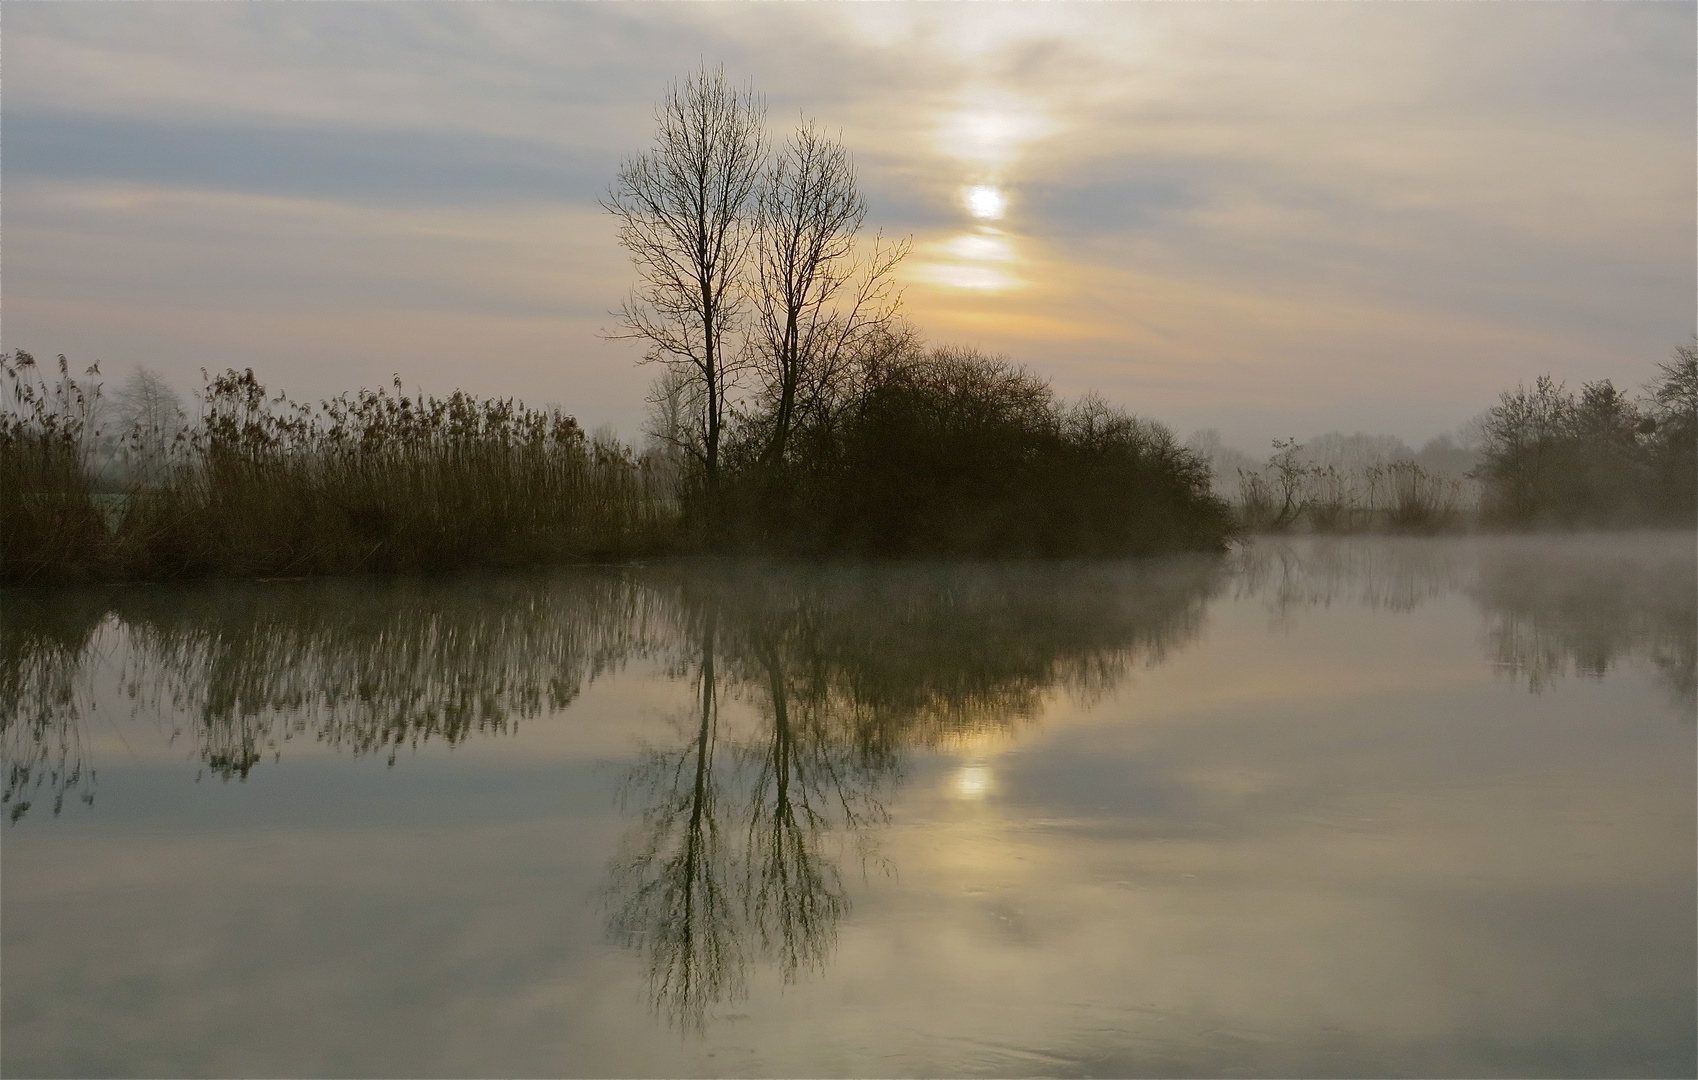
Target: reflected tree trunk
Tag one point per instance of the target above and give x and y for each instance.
(794, 895)
(678, 895)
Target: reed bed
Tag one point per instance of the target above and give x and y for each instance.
(51, 530)
(377, 481)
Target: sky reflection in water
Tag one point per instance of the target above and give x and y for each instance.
(1325, 808)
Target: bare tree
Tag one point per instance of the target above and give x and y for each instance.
(152, 417)
(810, 210)
(1675, 389)
(672, 426)
(685, 213)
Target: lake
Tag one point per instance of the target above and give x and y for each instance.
(1320, 807)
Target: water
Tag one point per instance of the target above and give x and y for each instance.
(1321, 808)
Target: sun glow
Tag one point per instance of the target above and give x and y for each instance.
(981, 260)
(991, 127)
(981, 247)
(986, 131)
(963, 276)
(985, 202)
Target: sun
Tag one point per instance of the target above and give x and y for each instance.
(985, 202)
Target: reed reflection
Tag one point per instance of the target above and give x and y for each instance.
(240, 670)
(373, 666)
(48, 644)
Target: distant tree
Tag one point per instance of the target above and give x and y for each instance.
(671, 426)
(685, 213)
(1597, 458)
(1353, 453)
(1443, 456)
(1675, 389)
(1673, 414)
(151, 417)
(1225, 462)
(1522, 435)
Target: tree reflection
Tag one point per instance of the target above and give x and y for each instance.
(1553, 606)
(731, 860)
(675, 875)
(748, 824)
(1384, 573)
(1585, 606)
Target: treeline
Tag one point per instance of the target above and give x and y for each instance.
(1597, 458)
(1542, 457)
(908, 451)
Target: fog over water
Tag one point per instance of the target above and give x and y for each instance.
(1318, 807)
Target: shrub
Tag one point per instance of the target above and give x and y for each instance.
(949, 452)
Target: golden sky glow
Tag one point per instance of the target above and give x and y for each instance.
(1273, 220)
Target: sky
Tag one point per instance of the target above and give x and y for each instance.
(1273, 219)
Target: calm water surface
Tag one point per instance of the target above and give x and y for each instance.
(1357, 808)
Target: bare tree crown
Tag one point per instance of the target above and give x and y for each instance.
(685, 215)
(809, 213)
(716, 226)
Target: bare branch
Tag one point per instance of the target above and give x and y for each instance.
(685, 215)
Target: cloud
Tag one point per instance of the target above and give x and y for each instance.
(1478, 180)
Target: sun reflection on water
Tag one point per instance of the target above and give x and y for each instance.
(973, 781)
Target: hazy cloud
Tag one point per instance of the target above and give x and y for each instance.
(1267, 220)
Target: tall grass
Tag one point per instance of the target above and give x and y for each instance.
(382, 481)
(51, 530)
(373, 482)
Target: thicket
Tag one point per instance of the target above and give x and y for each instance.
(1596, 458)
(915, 451)
(1542, 457)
